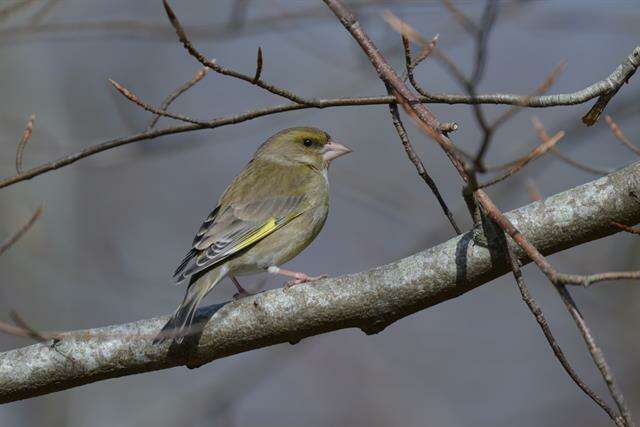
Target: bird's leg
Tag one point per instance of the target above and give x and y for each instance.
(297, 277)
(242, 292)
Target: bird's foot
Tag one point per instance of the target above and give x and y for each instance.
(299, 278)
(242, 294)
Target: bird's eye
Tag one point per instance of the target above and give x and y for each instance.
(307, 142)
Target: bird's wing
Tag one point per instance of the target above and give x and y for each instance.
(229, 230)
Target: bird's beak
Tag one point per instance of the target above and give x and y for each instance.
(333, 150)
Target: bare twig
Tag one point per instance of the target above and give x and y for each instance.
(14, 330)
(615, 80)
(467, 84)
(557, 280)
(133, 98)
(182, 35)
(536, 310)
(632, 230)
(576, 164)
(508, 99)
(532, 190)
(470, 27)
(588, 280)
(519, 164)
(26, 136)
(448, 127)
(429, 123)
(487, 20)
(176, 93)
(617, 132)
(256, 76)
(17, 235)
(596, 353)
(215, 123)
(612, 85)
(27, 330)
(542, 134)
(541, 89)
(417, 162)
(576, 97)
(536, 101)
(410, 64)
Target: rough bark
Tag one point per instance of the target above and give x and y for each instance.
(369, 300)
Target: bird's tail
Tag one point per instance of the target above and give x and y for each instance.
(180, 324)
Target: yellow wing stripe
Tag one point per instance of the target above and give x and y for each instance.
(257, 235)
(269, 227)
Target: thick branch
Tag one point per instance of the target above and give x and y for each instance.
(369, 300)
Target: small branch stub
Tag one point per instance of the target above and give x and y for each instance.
(448, 127)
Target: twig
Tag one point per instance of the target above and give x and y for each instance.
(13, 330)
(596, 353)
(26, 136)
(256, 76)
(182, 35)
(410, 64)
(507, 99)
(617, 132)
(215, 123)
(556, 280)
(212, 124)
(535, 153)
(429, 123)
(568, 160)
(175, 94)
(532, 189)
(470, 27)
(417, 162)
(468, 84)
(588, 280)
(18, 234)
(613, 84)
(542, 134)
(632, 230)
(541, 89)
(133, 98)
(486, 25)
(28, 330)
(536, 101)
(487, 20)
(409, 32)
(536, 310)
(448, 127)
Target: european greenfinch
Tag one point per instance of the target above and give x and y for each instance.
(271, 211)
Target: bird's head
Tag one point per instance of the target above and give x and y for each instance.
(305, 145)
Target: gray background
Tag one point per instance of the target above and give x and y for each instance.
(116, 224)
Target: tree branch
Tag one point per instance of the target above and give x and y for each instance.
(369, 300)
(4, 246)
(508, 99)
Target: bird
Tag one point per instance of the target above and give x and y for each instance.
(272, 210)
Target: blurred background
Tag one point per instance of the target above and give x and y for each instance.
(116, 224)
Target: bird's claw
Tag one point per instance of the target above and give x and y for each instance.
(239, 295)
(303, 278)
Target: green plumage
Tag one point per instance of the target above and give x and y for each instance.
(271, 211)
